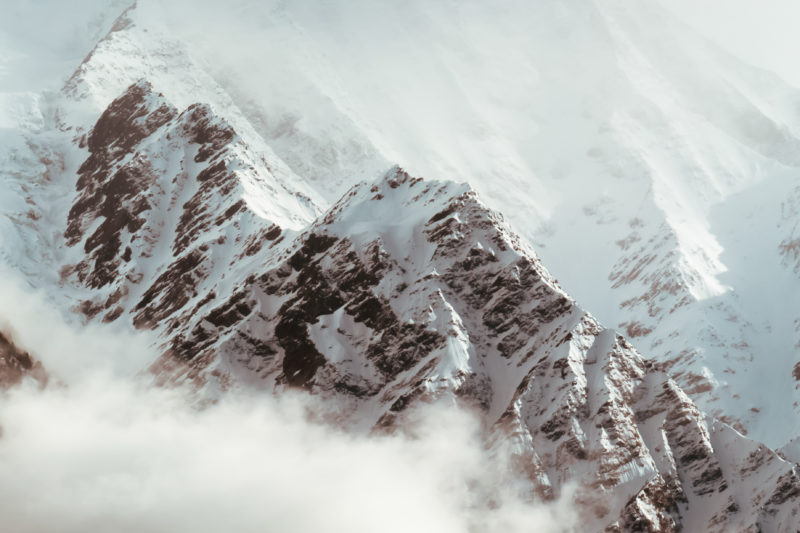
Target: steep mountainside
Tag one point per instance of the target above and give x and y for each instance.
(669, 130)
(409, 290)
(168, 203)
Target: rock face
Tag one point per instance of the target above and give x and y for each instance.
(404, 291)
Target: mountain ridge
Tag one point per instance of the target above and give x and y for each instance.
(184, 221)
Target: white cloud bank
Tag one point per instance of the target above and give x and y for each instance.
(111, 456)
(101, 450)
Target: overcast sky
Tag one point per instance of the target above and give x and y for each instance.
(762, 33)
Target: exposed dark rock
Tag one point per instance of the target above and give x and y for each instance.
(171, 290)
(16, 363)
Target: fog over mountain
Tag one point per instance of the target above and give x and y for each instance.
(302, 266)
(101, 450)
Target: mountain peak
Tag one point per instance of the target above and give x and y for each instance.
(160, 190)
(131, 117)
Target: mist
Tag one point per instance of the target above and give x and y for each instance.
(763, 34)
(102, 449)
(42, 42)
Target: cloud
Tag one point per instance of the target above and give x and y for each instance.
(69, 350)
(104, 450)
(113, 456)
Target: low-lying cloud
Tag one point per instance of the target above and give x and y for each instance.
(112, 456)
(100, 449)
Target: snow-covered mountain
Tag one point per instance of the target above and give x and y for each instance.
(408, 290)
(676, 138)
(162, 190)
(403, 291)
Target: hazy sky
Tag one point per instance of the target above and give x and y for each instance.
(763, 33)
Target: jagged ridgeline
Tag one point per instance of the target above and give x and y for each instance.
(404, 291)
(659, 190)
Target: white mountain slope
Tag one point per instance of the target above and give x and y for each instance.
(529, 109)
(51, 152)
(161, 191)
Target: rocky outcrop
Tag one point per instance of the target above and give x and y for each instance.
(16, 363)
